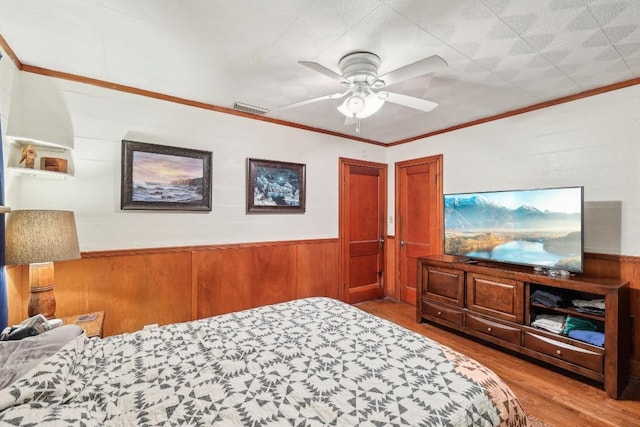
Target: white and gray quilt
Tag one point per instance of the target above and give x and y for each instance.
(310, 362)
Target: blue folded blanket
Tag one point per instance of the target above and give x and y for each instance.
(592, 337)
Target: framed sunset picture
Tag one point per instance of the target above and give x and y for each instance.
(161, 177)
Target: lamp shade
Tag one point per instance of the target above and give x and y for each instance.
(36, 236)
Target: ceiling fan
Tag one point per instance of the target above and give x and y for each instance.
(360, 77)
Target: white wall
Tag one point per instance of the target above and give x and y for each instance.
(593, 142)
(102, 118)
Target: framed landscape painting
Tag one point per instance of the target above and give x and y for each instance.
(275, 187)
(161, 177)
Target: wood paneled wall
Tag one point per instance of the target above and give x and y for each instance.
(141, 287)
(391, 272)
(626, 268)
(168, 285)
(232, 279)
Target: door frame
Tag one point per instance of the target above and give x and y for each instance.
(438, 160)
(343, 210)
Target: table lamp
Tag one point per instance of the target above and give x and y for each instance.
(38, 238)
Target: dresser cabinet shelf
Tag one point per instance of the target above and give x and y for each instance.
(569, 311)
(492, 302)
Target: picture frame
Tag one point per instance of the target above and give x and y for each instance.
(275, 187)
(161, 177)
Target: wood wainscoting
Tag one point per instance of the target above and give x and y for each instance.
(167, 285)
(626, 268)
(390, 270)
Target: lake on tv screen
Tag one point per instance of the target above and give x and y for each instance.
(520, 251)
(524, 229)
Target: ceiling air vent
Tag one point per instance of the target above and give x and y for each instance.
(251, 109)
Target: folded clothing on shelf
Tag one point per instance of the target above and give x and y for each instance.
(548, 299)
(550, 322)
(579, 323)
(589, 303)
(591, 337)
(591, 310)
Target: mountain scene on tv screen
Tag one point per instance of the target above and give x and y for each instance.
(478, 227)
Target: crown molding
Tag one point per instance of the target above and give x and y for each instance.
(225, 110)
(539, 106)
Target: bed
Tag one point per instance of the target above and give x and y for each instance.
(308, 362)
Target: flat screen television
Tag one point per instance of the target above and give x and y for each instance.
(540, 228)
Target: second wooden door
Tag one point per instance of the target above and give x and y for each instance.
(362, 229)
(418, 218)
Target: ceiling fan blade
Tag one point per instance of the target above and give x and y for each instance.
(322, 70)
(408, 101)
(312, 100)
(419, 68)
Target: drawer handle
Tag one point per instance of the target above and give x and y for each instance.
(439, 313)
(559, 352)
(489, 329)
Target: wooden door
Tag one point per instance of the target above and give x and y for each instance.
(418, 218)
(363, 209)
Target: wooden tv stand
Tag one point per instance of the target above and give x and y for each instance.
(491, 301)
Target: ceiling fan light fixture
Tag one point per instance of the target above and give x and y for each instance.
(361, 108)
(355, 103)
(352, 105)
(373, 103)
(343, 109)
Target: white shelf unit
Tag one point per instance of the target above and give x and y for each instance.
(17, 169)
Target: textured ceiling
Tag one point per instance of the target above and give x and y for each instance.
(502, 54)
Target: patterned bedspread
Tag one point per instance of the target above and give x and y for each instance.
(310, 362)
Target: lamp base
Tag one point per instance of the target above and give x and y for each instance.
(42, 300)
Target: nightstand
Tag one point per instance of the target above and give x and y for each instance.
(92, 327)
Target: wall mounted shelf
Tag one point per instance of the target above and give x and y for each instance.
(16, 169)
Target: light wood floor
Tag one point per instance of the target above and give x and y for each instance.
(554, 397)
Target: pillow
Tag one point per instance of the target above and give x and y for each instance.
(18, 357)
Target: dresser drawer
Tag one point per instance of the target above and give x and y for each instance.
(442, 312)
(494, 329)
(592, 360)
